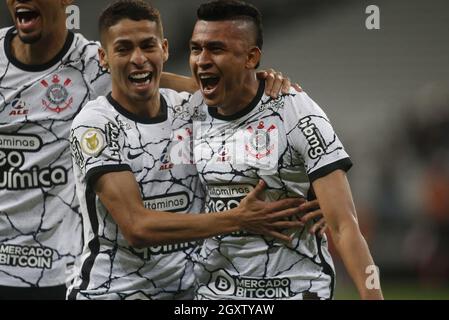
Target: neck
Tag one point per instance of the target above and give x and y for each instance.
(241, 98)
(148, 109)
(40, 52)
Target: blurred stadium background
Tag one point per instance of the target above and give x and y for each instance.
(387, 94)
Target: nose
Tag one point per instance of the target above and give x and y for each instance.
(138, 57)
(204, 60)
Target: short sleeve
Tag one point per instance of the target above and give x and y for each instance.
(312, 136)
(97, 145)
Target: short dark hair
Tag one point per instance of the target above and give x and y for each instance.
(136, 10)
(218, 10)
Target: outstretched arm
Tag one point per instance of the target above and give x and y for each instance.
(119, 193)
(276, 83)
(334, 195)
(178, 83)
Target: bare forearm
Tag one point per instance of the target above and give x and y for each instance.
(355, 254)
(157, 228)
(142, 227)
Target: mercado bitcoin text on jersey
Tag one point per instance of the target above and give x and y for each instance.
(40, 226)
(287, 142)
(107, 138)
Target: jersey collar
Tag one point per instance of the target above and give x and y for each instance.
(161, 117)
(35, 67)
(213, 111)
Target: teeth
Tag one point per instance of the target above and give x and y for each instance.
(21, 10)
(140, 76)
(207, 77)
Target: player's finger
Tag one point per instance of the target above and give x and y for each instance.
(258, 191)
(269, 81)
(261, 75)
(277, 85)
(282, 214)
(311, 215)
(310, 205)
(297, 87)
(279, 236)
(317, 226)
(323, 230)
(287, 224)
(286, 83)
(280, 205)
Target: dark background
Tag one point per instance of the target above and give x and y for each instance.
(387, 94)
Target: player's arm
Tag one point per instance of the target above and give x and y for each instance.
(178, 83)
(275, 82)
(334, 194)
(119, 193)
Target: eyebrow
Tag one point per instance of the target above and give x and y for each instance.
(119, 41)
(209, 43)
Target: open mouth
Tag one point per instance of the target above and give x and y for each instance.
(26, 17)
(141, 78)
(209, 82)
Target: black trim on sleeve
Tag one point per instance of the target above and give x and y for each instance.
(161, 117)
(343, 164)
(95, 173)
(213, 111)
(36, 67)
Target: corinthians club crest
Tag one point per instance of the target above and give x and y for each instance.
(57, 96)
(260, 144)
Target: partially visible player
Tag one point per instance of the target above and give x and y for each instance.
(134, 175)
(46, 75)
(242, 135)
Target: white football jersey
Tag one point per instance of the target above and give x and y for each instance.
(107, 138)
(287, 142)
(40, 226)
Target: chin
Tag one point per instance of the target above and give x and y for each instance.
(30, 38)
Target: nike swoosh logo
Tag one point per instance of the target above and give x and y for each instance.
(134, 156)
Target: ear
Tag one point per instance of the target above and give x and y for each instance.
(165, 49)
(66, 3)
(103, 58)
(253, 58)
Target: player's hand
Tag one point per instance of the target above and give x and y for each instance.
(314, 211)
(276, 83)
(268, 218)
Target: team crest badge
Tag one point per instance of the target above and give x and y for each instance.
(57, 96)
(92, 142)
(259, 144)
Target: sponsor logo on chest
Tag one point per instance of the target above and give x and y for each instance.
(19, 108)
(13, 176)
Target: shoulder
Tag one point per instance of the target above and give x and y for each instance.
(96, 111)
(197, 98)
(3, 32)
(88, 50)
(302, 100)
(178, 103)
(173, 97)
(301, 105)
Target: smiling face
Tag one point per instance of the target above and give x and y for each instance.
(222, 59)
(134, 53)
(36, 19)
